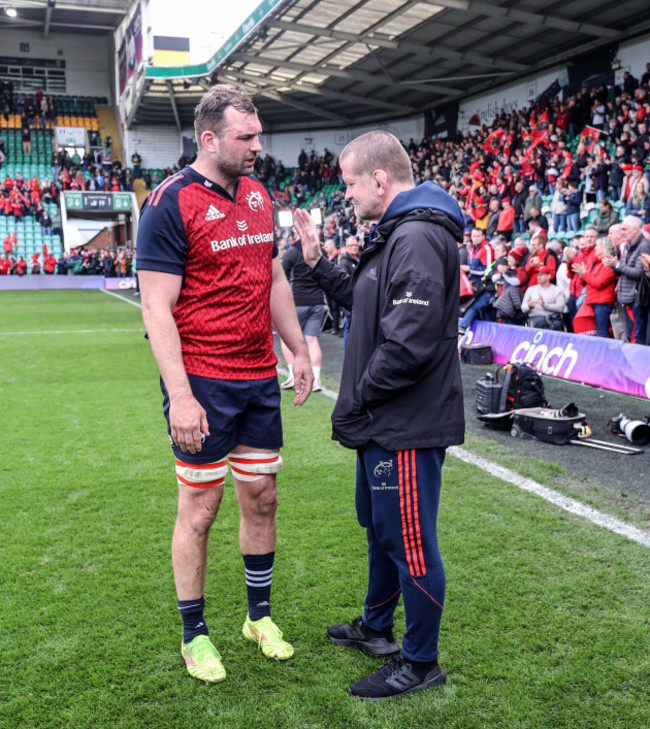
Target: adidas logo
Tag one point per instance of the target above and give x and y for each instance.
(214, 213)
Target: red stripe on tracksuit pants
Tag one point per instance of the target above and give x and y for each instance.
(397, 496)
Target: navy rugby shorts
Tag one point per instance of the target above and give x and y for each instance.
(240, 412)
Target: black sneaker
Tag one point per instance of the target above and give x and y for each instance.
(358, 635)
(398, 676)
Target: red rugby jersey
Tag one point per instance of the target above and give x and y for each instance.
(223, 248)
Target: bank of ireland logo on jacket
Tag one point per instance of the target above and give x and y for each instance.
(255, 200)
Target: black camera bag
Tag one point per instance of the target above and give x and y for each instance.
(476, 354)
(522, 388)
(550, 426)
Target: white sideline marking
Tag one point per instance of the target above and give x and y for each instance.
(563, 502)
(72, 331)
(122, 298)
(324, 390)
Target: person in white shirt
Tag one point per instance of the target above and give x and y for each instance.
(544, 302)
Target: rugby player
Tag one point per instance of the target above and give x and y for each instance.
(212, 287)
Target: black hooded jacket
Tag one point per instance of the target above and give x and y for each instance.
(401, 384)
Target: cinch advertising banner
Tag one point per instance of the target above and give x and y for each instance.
(606, 363)
(120, 284)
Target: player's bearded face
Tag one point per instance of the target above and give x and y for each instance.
(238, 144)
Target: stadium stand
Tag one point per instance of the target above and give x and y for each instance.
(586, 154)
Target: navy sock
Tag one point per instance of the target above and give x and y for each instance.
(259, 571)
(193, 622)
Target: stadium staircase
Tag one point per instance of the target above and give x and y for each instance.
(141, 191)
(108, 125)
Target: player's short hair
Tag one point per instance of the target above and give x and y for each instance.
(208, 114)
(379, 150)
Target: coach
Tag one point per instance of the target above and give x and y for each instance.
(400, 402)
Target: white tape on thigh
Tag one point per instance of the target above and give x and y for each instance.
(253, 466)
(201, 475)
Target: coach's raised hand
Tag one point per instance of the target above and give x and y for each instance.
(306, 229)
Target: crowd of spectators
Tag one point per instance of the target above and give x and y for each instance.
(35, 111)
(557, 209)
(556, 199)
(20, 197)
(95, 170)
(79, 262)
(584, 263)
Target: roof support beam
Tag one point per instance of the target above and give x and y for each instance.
(526, 17)
(110, 28)
(264, 82)
(420, 51)
(334, 34)
(313, 110)
(172, 100)
(254, 84)
(84, 8)
(426, 53)
(352, 76)
(48, 19)
(12, 23)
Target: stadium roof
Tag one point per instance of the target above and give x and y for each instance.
(87, 17)
(338, 63)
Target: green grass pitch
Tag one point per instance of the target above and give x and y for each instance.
(547, 617)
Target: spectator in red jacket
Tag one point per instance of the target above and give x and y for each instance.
(20, 267)
(480, 256)
(8, 244)
(16, 205)
(593, 316)
(539, 257)
(584, 257)
(506, 222)
(5, 264)
(49, 264)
